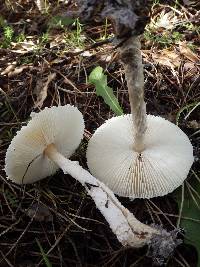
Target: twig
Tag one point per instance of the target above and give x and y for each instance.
(181, 206)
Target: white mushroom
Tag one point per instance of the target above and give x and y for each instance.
(138, 155)
(35, 153)
(157, 170)
(42, 146)
(62, 126)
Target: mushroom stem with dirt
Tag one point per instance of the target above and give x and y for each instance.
(139, 155)
(132, 61)
(125, 226)
(44, 145)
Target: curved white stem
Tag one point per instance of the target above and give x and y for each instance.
(124, 225)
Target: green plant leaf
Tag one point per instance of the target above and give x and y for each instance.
(46, 260)
(190, 214)
(99, 79)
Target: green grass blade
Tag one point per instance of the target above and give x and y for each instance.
(99, 79)
(188, 107)
(189, 203)
(45, 258)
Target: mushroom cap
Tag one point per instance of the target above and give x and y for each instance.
(160, 168)
(62, 126)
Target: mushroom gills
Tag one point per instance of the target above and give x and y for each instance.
(161, 167)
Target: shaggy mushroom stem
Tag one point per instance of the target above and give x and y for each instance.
(129, 231)
(132, 61)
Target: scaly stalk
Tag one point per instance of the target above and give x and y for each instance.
(132, 61)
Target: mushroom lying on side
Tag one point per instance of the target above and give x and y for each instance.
(139, 155)
(42, 146)
(25, 160)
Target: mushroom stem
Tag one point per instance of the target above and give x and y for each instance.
(132, 61)
(123, 223)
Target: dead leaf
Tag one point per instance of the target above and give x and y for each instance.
(42, 90)
(172, 59)
(40, 212)
(57, 61)
(42, 5)
(9, 68)
(167, 58)
(193, 124)
(23, 47)
(58, 39)
(188, 53)
(18, 70)
(12, 70)
(188, 2)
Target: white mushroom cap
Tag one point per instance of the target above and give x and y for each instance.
(62, 126)
(160, 168)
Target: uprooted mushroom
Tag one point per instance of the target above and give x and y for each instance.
(44, 145)
(139, 155)
(136, 155)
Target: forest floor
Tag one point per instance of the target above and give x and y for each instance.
(53, 222)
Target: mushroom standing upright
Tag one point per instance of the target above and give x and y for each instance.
(139, 155)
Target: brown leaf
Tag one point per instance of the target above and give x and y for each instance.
(193, 124)
(10, 68)
(23, 47)
(188, 2)
(187, 52)
(42, 90)
(167, 58)
(18, 70)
